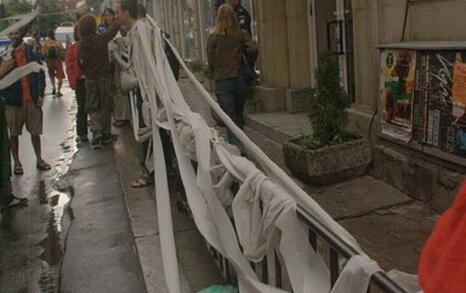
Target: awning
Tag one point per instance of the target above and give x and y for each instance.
(23, 21)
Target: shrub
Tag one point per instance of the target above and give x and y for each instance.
(328, 104)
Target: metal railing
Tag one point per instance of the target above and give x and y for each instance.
(338, 248)
(319, 235)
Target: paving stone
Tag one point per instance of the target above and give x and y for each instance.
(280, 126)
(358, 196)
(394, 239)
(150, 259)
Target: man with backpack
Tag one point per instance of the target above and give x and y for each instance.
(53, 58)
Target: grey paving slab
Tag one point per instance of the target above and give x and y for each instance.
(192, 250)
(152, 266)
(91, 159)
(99, 255)
(358, 197)
(395, 237)
(280, 126)
(203, 276)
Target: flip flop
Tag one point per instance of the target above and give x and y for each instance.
(18, 169)
(43, 166)
(142, 182)
(15, 201)
(119, 123)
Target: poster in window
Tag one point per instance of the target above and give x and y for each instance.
(397, 89)
(439, 102)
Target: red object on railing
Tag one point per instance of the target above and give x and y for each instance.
(442, 266)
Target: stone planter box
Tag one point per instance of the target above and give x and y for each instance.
(328, 164)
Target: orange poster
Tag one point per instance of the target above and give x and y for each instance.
(459, 83)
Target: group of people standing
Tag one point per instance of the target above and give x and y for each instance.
(95, 77)
(91, 75)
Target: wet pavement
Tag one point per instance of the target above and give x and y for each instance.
(31, 241)
(100, 254)
(57, 243)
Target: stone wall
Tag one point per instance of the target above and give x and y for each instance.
(431, 183)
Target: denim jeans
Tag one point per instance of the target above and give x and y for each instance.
(231, 94)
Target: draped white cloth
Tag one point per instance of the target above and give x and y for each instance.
(264, 209)
(20, 72)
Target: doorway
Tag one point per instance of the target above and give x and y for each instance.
(332, 31)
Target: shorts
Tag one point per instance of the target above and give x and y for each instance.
(27, 114)
(55, 68)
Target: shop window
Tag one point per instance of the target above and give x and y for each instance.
(188, 18)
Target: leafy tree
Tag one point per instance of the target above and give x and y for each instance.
(17, 7)
(51, 15)
(12, 8)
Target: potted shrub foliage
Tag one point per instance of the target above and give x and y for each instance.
(329, 154)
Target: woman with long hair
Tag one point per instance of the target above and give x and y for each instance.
(226, 47)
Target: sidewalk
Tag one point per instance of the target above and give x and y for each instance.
(113, 242)
(117, 225)
(99, 255)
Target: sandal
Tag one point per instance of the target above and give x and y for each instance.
(14, 201)
(43, 166)
(142, 182)
(18, 169)
(119, 123)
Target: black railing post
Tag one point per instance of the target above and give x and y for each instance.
(334, 266)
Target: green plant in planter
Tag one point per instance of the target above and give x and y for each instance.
(328, 104)
(196, 66)
(207, 73)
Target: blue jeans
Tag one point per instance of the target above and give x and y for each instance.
(231, 94)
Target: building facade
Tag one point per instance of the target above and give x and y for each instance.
(412, 132)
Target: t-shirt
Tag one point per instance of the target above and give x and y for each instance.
(21, 60)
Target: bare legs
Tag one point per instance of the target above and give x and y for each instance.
(35, 140)
(60, 83)
(52, 81)
(15, 149)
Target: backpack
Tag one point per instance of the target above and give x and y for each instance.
(247, 70)
(52, 52)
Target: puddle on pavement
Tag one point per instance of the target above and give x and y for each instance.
(56, 192)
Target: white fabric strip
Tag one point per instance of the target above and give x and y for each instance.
(263, 209)
(20, 72)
